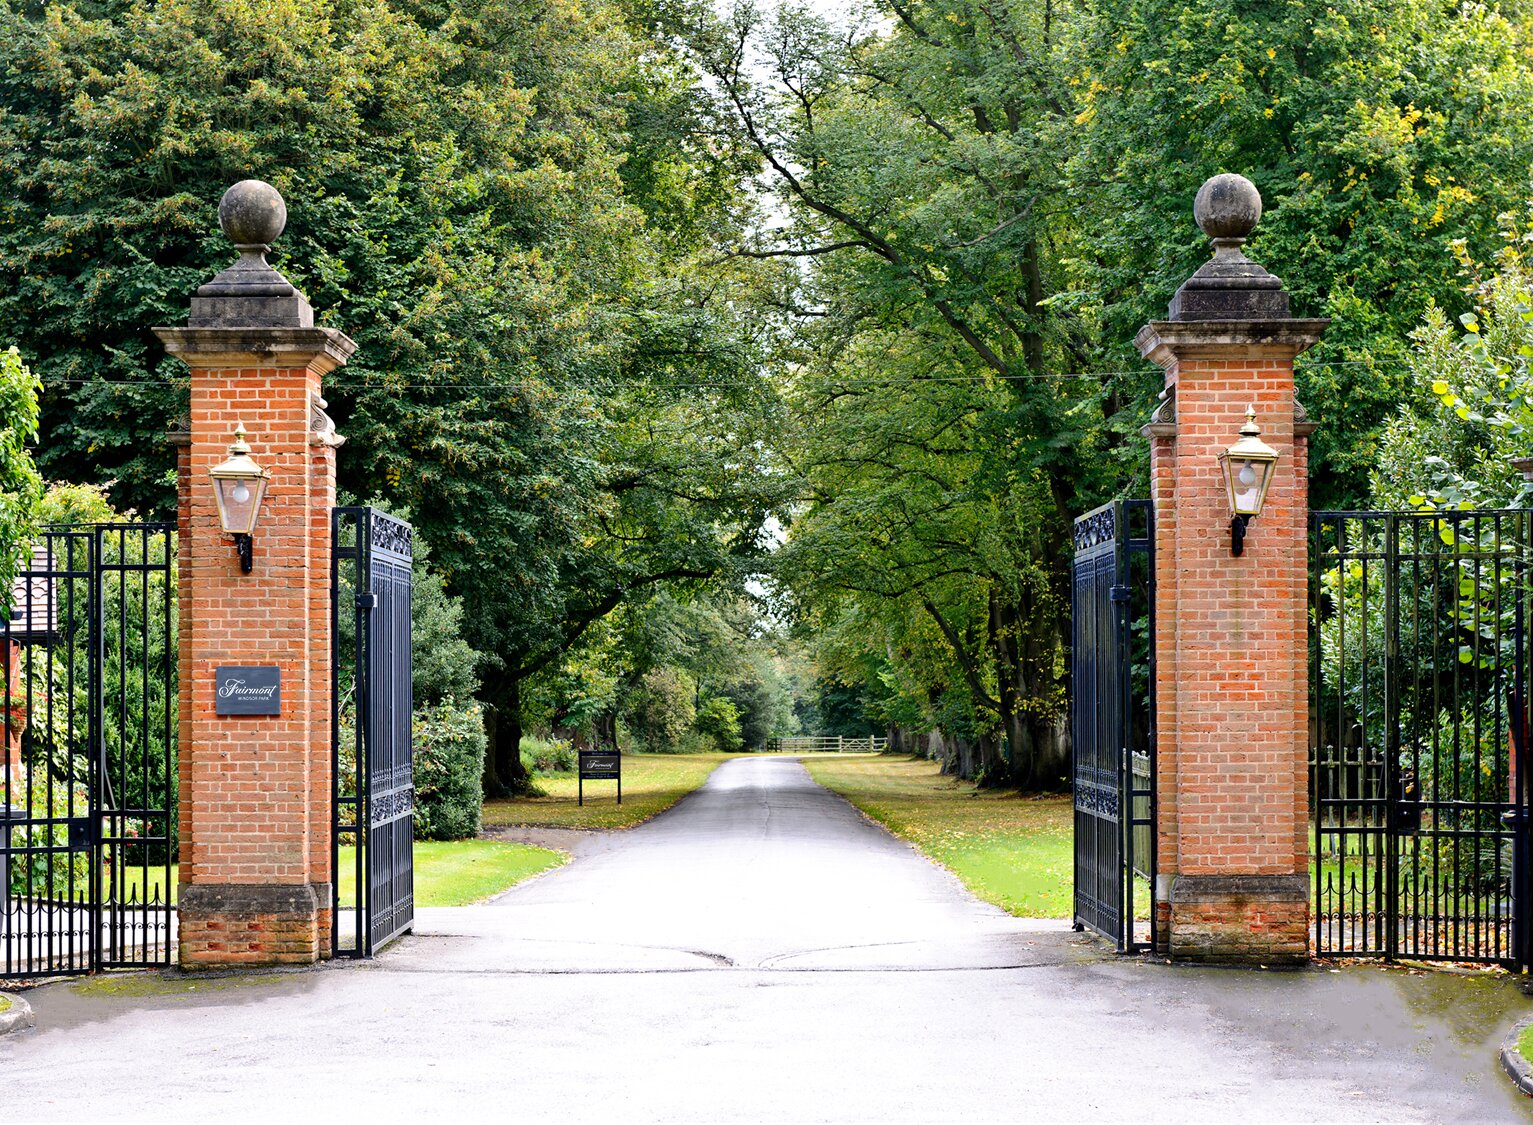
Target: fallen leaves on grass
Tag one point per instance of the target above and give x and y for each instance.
(1010, 849)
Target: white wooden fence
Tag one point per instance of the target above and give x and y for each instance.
(827, 744)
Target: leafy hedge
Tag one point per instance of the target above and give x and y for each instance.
(449, 765)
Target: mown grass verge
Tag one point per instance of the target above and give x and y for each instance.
(463, 872)
(652, 783)
(1009, 849)
(447, 872)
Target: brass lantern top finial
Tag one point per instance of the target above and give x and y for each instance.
(239, 465)
(1251, 447)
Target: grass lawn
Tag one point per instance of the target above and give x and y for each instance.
(461, 872)
(1010, 850)
(447, 872)
(652, 783)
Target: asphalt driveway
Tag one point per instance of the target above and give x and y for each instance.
(763, 953)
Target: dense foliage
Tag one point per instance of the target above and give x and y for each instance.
(1379, 134)
(449, 764)
(667, 674)
(501, 202)
(21, 486)
(988, 200)
(745, 371)
(1452, 638)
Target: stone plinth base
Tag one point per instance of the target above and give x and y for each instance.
(223, 925)
(1240, 919)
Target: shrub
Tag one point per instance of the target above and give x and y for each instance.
(59, 875)
(546, 756)
(719, 721)
(449, 768)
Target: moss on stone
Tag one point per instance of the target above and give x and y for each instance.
(171, 984)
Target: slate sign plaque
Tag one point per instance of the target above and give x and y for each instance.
(600, 766)
(248, 689)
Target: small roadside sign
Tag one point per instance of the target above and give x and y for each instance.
(601, 765)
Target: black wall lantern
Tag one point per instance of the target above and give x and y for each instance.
(239, 485)
(1247, 469)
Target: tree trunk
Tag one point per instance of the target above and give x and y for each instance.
(968, 757)
(1033, 713)
(1011, 686)
(504, 775)
(604, 730)
(990, 767)
(944, 750)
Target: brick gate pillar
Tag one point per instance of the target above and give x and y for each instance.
(1231, 676)
(255, 789)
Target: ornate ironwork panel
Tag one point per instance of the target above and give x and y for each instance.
(88, 766)
(1112, 720)
(1419, 785)
(374, 884)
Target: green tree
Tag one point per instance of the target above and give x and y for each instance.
(1470, 413)
(504, 203)
(661, 708)
(1378, 133)
(719, 722)
(940, 460)
(443, 662)
(988, 200)
(21, 486)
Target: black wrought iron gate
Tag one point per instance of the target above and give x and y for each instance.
(373, 836)
(88, 752)
(1112, 720)
(1419, 770)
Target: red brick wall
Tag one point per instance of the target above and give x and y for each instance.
(256, 790)
(1231, 673)
(1231, 651)
(255, 778)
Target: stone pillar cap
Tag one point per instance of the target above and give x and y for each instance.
(250, 293)
(1230, 286)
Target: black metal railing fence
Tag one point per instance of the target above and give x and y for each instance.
(1419, 663)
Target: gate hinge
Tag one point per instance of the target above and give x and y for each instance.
(1122, 593)
(367, 601)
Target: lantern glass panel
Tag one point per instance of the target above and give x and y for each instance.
(1247, 481)
(239, 501)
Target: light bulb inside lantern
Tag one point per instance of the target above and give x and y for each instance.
(1247, 475)
(242, 492)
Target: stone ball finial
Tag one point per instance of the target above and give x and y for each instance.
(1228, 206)
(252, 213)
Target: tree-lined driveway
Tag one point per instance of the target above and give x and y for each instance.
(763, 953)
